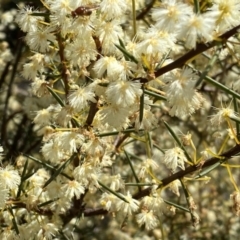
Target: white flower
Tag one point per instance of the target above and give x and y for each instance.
(198, 26)
(147, 218)
(63, 7)
(82, 51)
(40, 39)
(109, 32)
(79, 98)
(222, 115)
(114, 69)
(64, 116)
(110, 65)
(82, 26)
(113, 8)
(228, 13)
(69, 141)
(39, 178)
(94, 147)
(172, 14)
(146, 165)
(108, 201)
(61, 205)
(123, 93)
(174, 158)
(7, 17)
(27, 21)
(72, 188)
(63, 22)
(9, 178)
(154, 203)
(132, 205)
(181, 95)
(155, 43)
(43, 118)
(174, 187)
(39, 87)
(31, 69)
(87, 174)
(116, 182)
(52, 152)
(47, 230)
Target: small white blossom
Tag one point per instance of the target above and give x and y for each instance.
(171, 15)
(174, 158)
(39, 87)
(108, 201)
(109, 65)
(72, 188)
(9, 177)
(132, 205)
(40, 40)
(69, 141)
(147, 218)
(146, 165)
(47, 230)
(109, 32)
(174, 187)
(64, 115)
(198, 26)
(222, 115)
(113, 8)
(79, 98)
(52, 152)
(30, 70)
(227, 13)
(155, 43)
(43, 118)
(63, 7)
(154, 203)
(39, 178)
(27, 21)
(82, 51)
(87, 174)
(94, 147)
(181, 96)
(123, 93)
(116, 182)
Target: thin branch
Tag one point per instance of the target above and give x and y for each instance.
(201, 47)
(92, 112)
(64, 70)
(18, 54)
(227, 155)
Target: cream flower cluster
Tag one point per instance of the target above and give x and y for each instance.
(95, 75)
